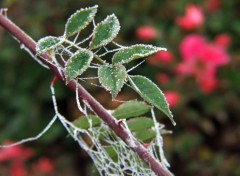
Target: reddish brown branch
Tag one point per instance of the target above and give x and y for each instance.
(30, 44)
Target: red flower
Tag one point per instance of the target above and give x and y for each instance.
(213, 5)
(16, 155)
(146, 33)
(172, 98)
(193, 18)
(162, 78)
(201, 60)
(44, 165)
(9, 153)
(223, 40)
(15, 152)
(164, 56)
(17, 168)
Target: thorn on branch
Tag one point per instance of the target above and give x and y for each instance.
(3, 11)
(120, 122)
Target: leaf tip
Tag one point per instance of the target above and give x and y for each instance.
(47, 43)
(94, 7)
(171, 118)
(162, 49)
(105, 31)
(79, 20)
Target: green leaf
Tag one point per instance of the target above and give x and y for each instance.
(140, 124)
(128, 54)
(105, 32)
(83, 121)
(112, 78)
(111, 152)
(79, 20)
(47, 43)
(146, 135)
(151, 93)
(78, 63)
(130, 109)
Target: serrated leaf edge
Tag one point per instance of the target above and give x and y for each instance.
(156, 49)
(107, 88)
(87, 22)
(61, 40)
(138, 91)
(84, 68)
(107, 40)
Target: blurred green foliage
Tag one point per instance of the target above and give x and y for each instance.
(206, 139)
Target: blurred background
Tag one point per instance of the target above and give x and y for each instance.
(199, 75)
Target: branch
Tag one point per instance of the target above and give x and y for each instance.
(30, 44)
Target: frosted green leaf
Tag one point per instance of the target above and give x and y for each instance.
(140, 124)
(130, 109)
(79, 20)
(128, 54)
(151, 93)
(112, 78)
(78, 63)
(47, 43)
(83, 121)
(105, 32)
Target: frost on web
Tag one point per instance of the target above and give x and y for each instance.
(109, 153)
(72, 57)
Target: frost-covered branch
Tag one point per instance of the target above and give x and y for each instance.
(117, 127)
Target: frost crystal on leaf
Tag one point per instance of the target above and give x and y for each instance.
(151, 93)
(128, 54)
(112, 78)
(78, 63)
(47, 43)
(79, 20)
(105, 32)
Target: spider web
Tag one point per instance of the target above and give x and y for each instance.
(126, 162)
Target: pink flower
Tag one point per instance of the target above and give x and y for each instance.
(193, 18)
(207, 84)
(223, 40)
(146, 33)
(44, 165)
(162, 78)
(164, 56)
(172, 98)
(213, 55)
(201, 60)
(191, 46)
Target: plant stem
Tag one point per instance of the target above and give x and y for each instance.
(94, 56)
(30, 44)
(99, 59)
